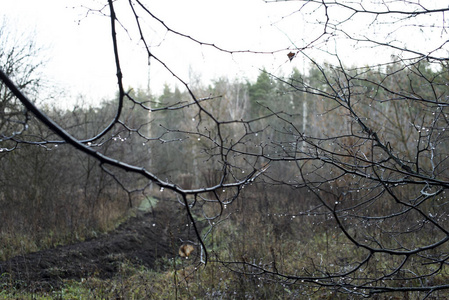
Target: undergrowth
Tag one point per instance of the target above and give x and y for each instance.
(278, 242)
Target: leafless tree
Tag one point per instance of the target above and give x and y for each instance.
(368, 163)
(18, 61)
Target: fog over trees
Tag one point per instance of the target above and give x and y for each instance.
(328, 178)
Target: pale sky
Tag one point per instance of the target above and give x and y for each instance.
(78, 43)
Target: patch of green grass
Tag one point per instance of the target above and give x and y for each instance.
(147, 204)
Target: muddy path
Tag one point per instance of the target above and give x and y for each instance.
(141, 241)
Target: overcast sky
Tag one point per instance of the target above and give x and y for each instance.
(78, 42)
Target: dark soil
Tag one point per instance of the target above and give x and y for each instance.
(141, 241)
